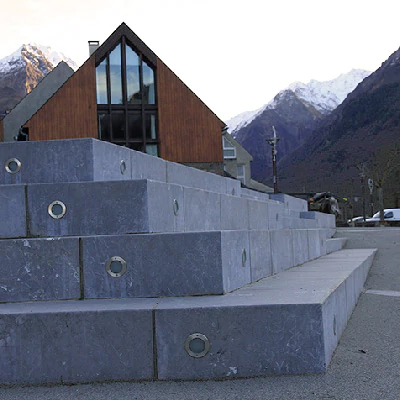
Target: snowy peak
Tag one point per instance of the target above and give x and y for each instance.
(326, 96)
(323, 96)
(41, 57)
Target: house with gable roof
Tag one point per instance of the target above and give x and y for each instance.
(125, 94)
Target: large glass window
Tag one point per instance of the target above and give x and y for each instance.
(101, 79)
(133, 76)
(116, 76)
(126, 99)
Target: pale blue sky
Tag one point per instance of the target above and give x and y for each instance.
(235, 55)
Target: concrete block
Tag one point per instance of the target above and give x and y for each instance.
(258, 215)
(76, 341)
(202, 210)
(253, 194)
(145, 166)
(260, 254)
(292, 203)
(316, 243)
(74, 160)
(110, 162)
(300, 246)
(90, 208)
(334, 317)
(39, 269)
(12, 211)
(235, 259)
(281, 250)
(186, 176)
(165, 207)
(275, 218)
(335, 244)
(233, 187)
(234, 213)
(181, 264)
(322, 220)
(244, 341)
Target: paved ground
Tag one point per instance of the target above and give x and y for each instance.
(365, 366)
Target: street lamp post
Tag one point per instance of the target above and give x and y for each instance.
(273, 142)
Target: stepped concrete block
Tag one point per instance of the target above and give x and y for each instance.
(202, 210)
(335, 244)
(39, 269)
(300, 246)
(76, 341)
(165, 207)
(316, 243)
(90, 208)
(74, 160)
(179, 264)
(12, 211)
(275, 211)
(258, 215)
(281, 250)
(260, 254)
(246, 337)
(292, 203)
(145, 166)
(234, 213)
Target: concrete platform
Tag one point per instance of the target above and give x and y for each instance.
(286, 324)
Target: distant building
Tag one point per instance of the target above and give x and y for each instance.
(126, 95)
(237, 163)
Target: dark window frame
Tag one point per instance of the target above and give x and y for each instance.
(142, 107)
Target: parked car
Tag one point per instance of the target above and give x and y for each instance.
(391, 217)
(356, 221)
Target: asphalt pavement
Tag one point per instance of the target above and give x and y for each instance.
(365, 366)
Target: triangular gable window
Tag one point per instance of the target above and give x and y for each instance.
(126, 99)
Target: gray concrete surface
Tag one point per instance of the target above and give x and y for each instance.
(364, 366)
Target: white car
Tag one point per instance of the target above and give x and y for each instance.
(391, 217)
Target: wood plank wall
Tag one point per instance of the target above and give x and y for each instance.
(72, 111)
(188, 130)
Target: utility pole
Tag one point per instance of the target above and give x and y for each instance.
(273, 142)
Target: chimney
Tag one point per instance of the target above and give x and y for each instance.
(93, 46)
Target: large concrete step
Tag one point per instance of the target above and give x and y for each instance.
(149, 265)
(286, 324)
(139, 206)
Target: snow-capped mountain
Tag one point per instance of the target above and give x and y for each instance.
(22, 70)
(34, 53)
(323, 96)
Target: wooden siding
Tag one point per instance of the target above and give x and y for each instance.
(188, 130)
(71, 112)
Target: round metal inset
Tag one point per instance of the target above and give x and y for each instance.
(197, 345)
(244, 257)
(122, 167)
(176, 207)
(13, 165)
(57, 209)
(116, 266)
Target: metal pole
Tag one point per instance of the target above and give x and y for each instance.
(273, 142)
